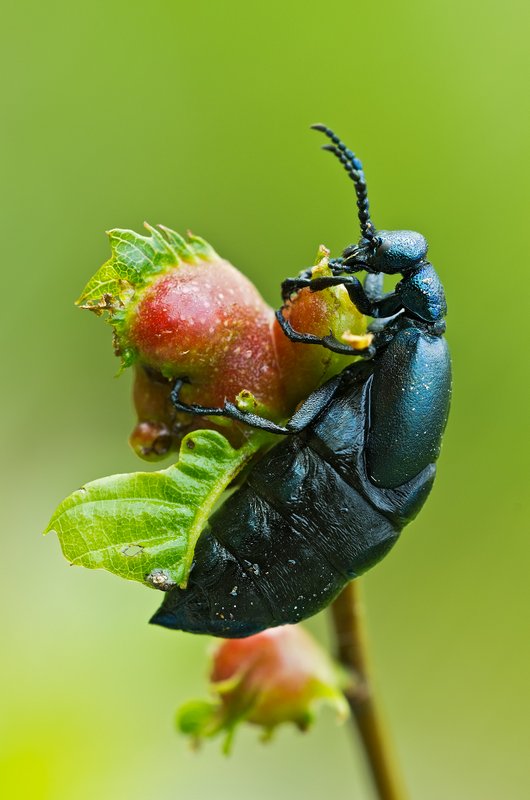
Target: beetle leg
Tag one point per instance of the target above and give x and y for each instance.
(227, 410)
(352, 285)
(305, 280)
(369, 302)
(292, 285)
(373, 305)
(373, 285)
(336, 265)
(329, 342)
(302, 417)
(384, 306)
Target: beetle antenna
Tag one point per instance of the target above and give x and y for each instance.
(354, 168)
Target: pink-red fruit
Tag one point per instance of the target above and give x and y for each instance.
(179, 310)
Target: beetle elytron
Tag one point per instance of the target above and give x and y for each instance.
(358, 460)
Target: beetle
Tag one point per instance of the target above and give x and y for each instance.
(358, 458)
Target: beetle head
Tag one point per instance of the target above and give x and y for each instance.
(387, 251)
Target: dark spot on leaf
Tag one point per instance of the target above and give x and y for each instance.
(190, 444)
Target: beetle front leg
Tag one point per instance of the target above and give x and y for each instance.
(329, 342)
(380, 307)
(362, 302)
(383, 306)
(292, 285)
(373, 286)
(305, 280)
(354, 288)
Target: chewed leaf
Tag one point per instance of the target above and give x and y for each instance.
(144, 526)
(135, 259)
(104, 287)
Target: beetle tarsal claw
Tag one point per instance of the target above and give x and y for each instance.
(357, 341)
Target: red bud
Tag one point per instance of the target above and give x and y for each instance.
(274, 677)
(179, 310)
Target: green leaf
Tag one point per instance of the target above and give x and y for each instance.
(144, 526)
(135, 260)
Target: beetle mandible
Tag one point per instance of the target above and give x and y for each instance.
(358, 459)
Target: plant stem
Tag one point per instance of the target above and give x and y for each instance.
(348, 619)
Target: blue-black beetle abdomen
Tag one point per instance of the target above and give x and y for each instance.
(306, 522)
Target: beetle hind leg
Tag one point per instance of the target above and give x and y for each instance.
(228, 410)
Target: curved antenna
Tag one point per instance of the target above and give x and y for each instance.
(354, 168)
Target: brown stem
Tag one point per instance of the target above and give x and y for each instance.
(352, 653)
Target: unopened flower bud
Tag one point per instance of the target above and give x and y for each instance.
(273, 677)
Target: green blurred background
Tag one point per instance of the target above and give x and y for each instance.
(196, 115)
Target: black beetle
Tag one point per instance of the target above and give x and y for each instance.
(358, 462)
